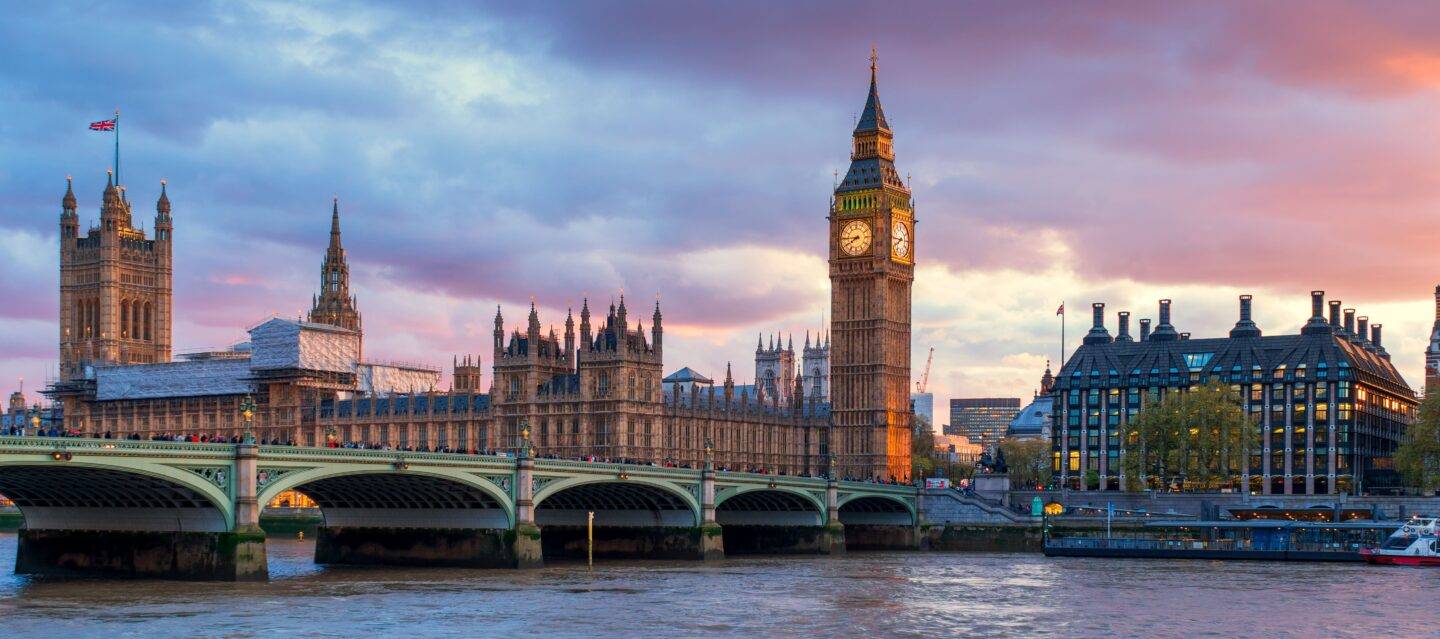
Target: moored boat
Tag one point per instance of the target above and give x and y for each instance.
(1413, 544)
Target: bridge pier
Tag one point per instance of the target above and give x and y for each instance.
(712, 536)
(526, 540)
(196, 556)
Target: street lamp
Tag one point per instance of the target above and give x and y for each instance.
(35, 418)
(247, 410)
(524, 441)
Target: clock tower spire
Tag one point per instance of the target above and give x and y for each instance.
(872, 267)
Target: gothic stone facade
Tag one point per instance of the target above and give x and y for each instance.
(114, 285)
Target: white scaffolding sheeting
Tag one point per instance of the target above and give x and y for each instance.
(280, 344)
(173, 379)
(381, 379)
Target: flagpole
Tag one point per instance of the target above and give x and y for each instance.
(117, 147)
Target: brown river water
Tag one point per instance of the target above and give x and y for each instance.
(859, 595)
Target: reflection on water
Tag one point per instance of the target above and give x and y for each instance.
(863, 594)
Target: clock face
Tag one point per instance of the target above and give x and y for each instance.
(900, 240)
(855, 237)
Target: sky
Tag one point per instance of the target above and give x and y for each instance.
(487, 153)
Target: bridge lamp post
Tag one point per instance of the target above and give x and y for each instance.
(247, 410)
(35, 419)
(709, 454)
(524, 441)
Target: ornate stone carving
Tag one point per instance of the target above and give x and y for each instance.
(218, 475)
(502, 481)
(266, 476)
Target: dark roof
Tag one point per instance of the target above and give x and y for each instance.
(873, 117)
(688, 374)
(1091, 364)
(870, 173)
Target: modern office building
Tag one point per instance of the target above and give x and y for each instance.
(1329, 406)
(982, 419)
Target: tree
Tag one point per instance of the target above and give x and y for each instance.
(1029, 461)
(922, 451)
(1198, 438)
(1418, 458)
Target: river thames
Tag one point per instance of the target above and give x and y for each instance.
(860, 595)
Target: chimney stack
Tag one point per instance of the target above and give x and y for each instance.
(1164, 331)
(1335, 316)
(1350, 322)
(1245, 326)
(1375, 336)
(1317, 324)
(1144, 329)
(1097, 334)
(1124, 334)
(1362, 330)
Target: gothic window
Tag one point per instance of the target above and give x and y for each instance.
(149, 323)
(603, 385)
(632, 387)
(124, 319)
(135, 320)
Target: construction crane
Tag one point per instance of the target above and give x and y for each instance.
(925, 377)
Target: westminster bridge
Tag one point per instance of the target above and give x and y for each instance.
(192, 510)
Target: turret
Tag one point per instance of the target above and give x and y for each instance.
(585, 338)
(499, 333)
(112, 210)
(163, 223)
(69, 217)
(656, 332)
(532, 331)
(569, 335)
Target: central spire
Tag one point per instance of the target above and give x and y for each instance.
(335, 305)
(335, 224)
(873, 117)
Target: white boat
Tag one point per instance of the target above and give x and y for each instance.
(1413, 544)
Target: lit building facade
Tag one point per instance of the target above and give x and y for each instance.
(1329, 407)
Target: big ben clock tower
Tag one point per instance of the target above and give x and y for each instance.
(872, 266)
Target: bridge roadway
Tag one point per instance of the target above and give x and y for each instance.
(191, 511)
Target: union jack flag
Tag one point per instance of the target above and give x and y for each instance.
(103, 125)
(1061, 310)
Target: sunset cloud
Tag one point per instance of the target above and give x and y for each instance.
(486, 153)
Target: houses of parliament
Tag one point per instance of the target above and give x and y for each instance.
(598, 389)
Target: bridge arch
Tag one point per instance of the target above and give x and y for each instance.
(762, 506)
(375, 497)
(631, 502)
(873, 509)
(131, 496)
